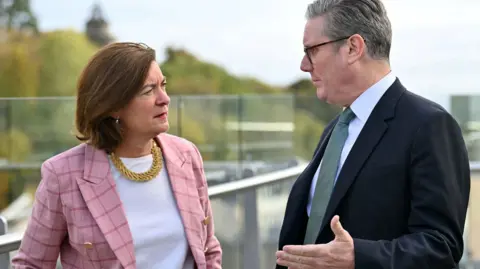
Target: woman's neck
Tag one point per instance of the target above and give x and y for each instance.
(134, 148)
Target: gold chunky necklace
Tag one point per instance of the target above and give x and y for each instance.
(145, 176)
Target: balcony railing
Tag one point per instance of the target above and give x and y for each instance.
(249, 236)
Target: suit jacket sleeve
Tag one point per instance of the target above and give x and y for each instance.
(46, 228)
(439, 189)
(213, 253)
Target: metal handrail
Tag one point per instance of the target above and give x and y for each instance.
(475, 166)
(255, 182)
(11, 242)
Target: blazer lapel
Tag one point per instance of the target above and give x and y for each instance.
(99, 192)
(366, 142)
(178, 164)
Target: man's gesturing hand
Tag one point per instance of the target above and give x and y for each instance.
(336, 254)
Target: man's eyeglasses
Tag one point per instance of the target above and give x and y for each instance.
(307, 49)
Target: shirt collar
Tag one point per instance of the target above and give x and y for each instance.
(366, 102)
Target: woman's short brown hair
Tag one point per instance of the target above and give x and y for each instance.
(112, 77)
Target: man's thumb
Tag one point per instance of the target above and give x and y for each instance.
(340, 233)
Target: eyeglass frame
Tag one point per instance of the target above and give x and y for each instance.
(306, 49)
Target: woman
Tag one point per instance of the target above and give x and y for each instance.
(131, 196)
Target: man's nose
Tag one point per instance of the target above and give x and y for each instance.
(305, 64)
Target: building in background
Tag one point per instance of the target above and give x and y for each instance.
(97, 28)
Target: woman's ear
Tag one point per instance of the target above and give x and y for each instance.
(115, 114)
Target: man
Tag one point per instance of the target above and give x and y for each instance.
(389, 183)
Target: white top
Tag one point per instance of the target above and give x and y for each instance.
(362, 107)
(154, 219)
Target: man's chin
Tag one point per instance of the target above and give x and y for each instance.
(321, 95)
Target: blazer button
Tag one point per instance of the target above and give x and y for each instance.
(206, 220)
(88, 245)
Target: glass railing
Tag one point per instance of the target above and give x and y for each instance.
(224, 127)
(233, 133)
(253, 131)
(472, 233)
(248, 217)
(466, 110)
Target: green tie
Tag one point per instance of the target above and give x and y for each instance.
(327, 174)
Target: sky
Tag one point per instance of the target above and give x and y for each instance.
(435, 50)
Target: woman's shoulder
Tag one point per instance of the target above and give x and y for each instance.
(69, 159)
(177, 141)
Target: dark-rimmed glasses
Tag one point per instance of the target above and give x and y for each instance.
(307, 49)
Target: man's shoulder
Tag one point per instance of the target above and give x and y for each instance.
(417, 108)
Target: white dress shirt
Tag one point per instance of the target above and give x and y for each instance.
(362, 107)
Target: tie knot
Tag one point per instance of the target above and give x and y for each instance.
(347, 116)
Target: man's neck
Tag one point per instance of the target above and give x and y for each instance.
(367, 77)
(372, 73)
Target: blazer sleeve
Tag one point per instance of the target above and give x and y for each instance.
(213, 253)
(46, 228)
(439, 189)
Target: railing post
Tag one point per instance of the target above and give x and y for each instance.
(251, 238)
(9, 118)
(5, 257)
(240, 141)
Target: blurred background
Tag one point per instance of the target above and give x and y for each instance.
(237, 93)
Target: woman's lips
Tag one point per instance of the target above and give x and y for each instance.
(162, 115)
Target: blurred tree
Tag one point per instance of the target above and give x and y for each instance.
(306, 99)
(189, 75)
(15, 145)
(307, 134)
(302, 86)
(18, 71)
(190, 129)
(17, 15)
(62, 56)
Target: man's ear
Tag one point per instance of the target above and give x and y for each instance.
(356, 48)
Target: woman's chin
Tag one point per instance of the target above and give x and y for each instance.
(161, 127)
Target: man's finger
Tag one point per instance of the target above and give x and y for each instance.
(317, 250)
(337, 228)
(291, 265)
(295, 261)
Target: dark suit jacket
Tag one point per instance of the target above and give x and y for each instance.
(403, 191)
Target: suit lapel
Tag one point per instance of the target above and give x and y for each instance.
(98, 189)
(179, 167)
(369, 137)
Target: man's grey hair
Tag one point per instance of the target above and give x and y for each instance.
(367, 18)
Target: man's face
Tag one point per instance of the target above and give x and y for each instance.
(326, 63)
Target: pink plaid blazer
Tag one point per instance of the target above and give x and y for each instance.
(78, 214)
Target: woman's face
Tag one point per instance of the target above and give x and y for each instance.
(147, 113)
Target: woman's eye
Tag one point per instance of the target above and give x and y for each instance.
(150, 90)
